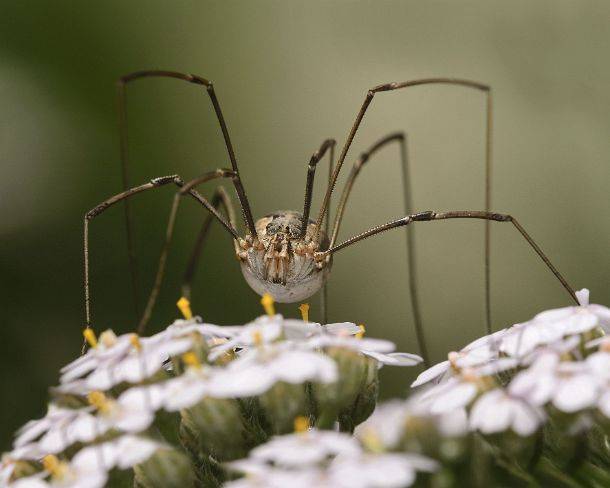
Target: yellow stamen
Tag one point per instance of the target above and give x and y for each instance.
(51, 464)
(258, 338)
(267, 303)
(191, 359)
(57, 469)
(98, 400)
(135, 342)
(185, 307)
(360, 334)
(304, 308)
(301, 424)
(89, 336)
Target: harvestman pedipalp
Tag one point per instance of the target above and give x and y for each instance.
(286, 254)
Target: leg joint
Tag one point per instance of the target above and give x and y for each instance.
(423, 216)
(501, 217)
(164, 180)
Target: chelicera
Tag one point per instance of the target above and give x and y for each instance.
(286, 254)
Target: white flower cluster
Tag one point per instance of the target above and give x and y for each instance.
(182, 402)
(539, 387)
(326, 459)
(273, 403)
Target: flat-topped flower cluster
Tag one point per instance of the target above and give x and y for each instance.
(274, 403)
(531, 403)
(178, 405)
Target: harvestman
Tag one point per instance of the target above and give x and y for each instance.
(286, 254)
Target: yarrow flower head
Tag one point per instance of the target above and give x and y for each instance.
(274, 402)
(327, 459)
(215, 391)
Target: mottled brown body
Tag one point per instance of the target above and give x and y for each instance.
(282, 264)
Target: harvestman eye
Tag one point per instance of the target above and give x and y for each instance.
(286, 254)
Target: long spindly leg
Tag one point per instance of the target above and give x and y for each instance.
(220, 198)
(327, 145)
(122, 100)
(429, 216)
(188, 188)
(154, 183)
(428, 81)
(401, 139)
(324, 296)
(185, 189)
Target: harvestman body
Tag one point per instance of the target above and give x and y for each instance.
(286, 254)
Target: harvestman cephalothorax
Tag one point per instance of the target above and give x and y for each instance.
(286, 254)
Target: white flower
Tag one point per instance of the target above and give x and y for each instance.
(378, 349)
(280, 478)
(453, 394)
(251, 374)
(394, 470)
(522, 339)
(280, 362)
(264, 330)
(302, 449)
(390, 422)
(133, 412)
(109, 350)
(457, 392)
(59, 429)
(496, 411)
(570, 385)
(122, 453)
(385, 426)
(453, 424)
(575, 320)
(326, 459)
(89, 468)
(550, 326)
(299, 330)
(479, 352)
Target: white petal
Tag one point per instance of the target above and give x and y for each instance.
(583, 297)
(526, 418)
(480, 355)
(380, 471)
(497, 366)
(454, 423)
(300, 366)
(603, 314)
(396, 358)
(342, 328)
(403, 359)
(599, 364)
(241, 382)
(305, 448)
(431, 373)
(576, 393)
(491, 413)
(604, 404)
(184, 392)
(30, 482)
(134, 450)
(489, 341)
(540, 391)
(458, 396)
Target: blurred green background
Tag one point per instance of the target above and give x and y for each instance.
(289, 74)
